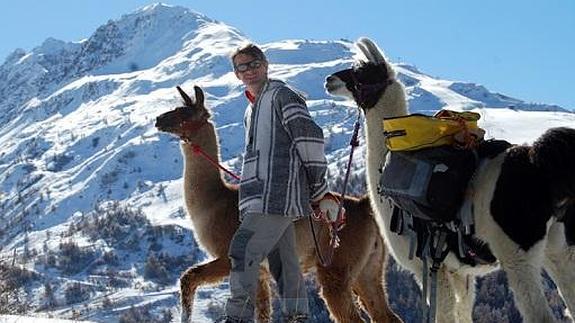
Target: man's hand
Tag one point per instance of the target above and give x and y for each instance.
(327, 206)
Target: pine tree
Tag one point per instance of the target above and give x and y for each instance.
(49, 298)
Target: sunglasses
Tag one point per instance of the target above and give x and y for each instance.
(252, 65)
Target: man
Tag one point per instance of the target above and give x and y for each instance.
(283, 172)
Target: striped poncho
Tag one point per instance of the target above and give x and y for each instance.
(284, 165)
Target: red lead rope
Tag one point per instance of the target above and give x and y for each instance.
(339, 223)
(199, 151)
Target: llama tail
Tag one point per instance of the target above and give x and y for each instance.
(554, 155)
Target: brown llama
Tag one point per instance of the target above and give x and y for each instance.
(358, 264)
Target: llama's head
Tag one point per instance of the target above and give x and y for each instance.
(364, 82)
(186, 120)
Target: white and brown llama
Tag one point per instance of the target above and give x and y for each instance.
(357, 266)
(517, 202)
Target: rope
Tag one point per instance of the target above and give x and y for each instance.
(199, 151)
(339, 223)
(354, 142)
(324, 262)
(469, 140)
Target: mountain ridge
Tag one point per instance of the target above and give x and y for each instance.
(79, 151)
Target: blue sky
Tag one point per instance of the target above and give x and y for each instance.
(524, 49)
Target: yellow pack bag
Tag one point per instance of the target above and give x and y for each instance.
(418, 131)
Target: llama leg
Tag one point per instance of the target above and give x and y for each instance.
(370, 287)
(214, 272)
(523, 270)
(263, 299)
(560, 264)
(464, 289)
(336, 292)
(208, 273)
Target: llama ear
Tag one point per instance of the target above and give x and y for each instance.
(187, 100)
(370, 50)
(364, 50)
(199, 95)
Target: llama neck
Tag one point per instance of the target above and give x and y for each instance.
(202, 180)
(391, 104)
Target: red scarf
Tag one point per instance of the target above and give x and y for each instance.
(250, 97)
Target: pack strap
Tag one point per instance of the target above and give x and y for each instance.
(436, 250)
(432, 297)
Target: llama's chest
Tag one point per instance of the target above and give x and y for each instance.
(213, 228)
(207, 235)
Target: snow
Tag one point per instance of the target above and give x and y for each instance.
(31, 319)
(296, 51)
(521, 127)
(78, 131)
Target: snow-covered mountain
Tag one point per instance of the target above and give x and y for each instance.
(91, 211)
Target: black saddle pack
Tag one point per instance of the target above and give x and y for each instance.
(431, 183)
(428, 183)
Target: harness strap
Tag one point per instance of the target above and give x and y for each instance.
(412, 235)
(396, 224)
(363, 91)
(438, 247)
(432, 297)
(434, 248)
(461, 247)
(424, 282)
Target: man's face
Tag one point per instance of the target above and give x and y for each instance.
(249, 70)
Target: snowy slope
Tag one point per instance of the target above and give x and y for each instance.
(31, 319)
(79, 153)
